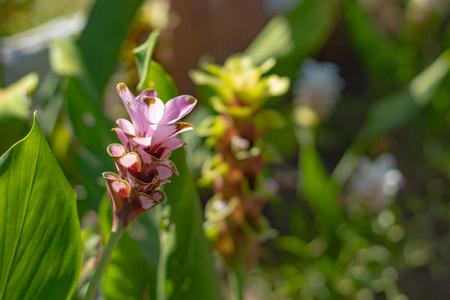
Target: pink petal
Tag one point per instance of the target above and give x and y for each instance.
(122, 136)
(131, 161)
(177, 108)
(146, 158)
(121, 187)
(141, 142)
(149, 93)
(173, 143)
(165, 153)
(110, 175)
(146, 201)
(130, 104)
(160, 183)
(164, 172)
(169, 164)
(165, 132)
(159, 196)
(151, 110)
(117, 187)
(116, 150)
(126, 126)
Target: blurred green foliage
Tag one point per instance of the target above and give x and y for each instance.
(396, 100)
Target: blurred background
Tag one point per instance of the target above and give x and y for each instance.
(374, 72)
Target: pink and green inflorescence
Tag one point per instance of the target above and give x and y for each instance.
(142, 160)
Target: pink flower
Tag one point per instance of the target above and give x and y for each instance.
(142, 161)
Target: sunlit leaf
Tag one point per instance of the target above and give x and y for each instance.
(100, 41)
(14, 100)
(40, 242)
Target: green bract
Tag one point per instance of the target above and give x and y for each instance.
(239, 82)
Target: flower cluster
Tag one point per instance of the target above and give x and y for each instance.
(142, 158)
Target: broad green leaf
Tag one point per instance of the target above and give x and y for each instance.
(186, 266)
(40, 242)
(129, 276)
(290, 38)
(100, 41)
(319, 191)
(14, 100)
(394, 111)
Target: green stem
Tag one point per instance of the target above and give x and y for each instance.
(236, 281)
(114, 238)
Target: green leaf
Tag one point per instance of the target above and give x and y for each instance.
(290, 38)
(40, 242)
(186, 267)
(100, 41)
(190, 270)
(143, 55)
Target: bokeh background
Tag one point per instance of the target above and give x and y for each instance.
(392, 99)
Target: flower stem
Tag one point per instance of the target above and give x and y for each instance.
(236, 280)
(114, 238)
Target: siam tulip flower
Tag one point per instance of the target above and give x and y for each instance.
(316, 91)
(375, 183)
(142, 158)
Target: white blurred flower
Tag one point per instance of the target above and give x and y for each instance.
(375, 183)
(316, 90)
